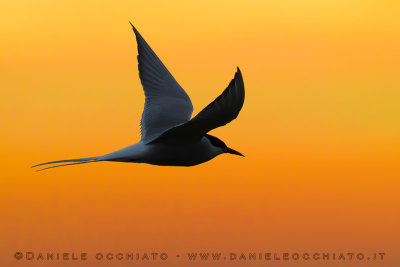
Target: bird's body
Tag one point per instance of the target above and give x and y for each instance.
(166, 153)
(169, 136)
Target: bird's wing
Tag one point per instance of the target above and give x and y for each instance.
(221, 111)
(166, 103)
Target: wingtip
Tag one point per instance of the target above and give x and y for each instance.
(238, 73)
(133, 27)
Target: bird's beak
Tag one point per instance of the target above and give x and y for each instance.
(231, 151)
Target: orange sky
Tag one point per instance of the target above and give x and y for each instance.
(319, 128)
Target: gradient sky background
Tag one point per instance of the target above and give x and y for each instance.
(320, 129)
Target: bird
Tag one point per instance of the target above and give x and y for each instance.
(169, 136)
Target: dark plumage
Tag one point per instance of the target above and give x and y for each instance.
(169, 136)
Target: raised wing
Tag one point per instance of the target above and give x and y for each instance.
(221, 111)
(166, 103)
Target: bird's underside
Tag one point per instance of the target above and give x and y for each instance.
(166, 153)
(168, 134)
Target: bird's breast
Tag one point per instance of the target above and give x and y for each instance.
(173, 154)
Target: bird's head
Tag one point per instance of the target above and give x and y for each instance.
(221, 147)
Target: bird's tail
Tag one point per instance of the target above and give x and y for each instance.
(73, 162)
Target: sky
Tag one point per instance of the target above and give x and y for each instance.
(319, 128)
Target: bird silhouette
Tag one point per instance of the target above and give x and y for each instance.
(169, 137)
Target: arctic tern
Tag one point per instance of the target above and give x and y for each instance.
(169, 137)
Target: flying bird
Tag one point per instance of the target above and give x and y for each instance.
(169, 137)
